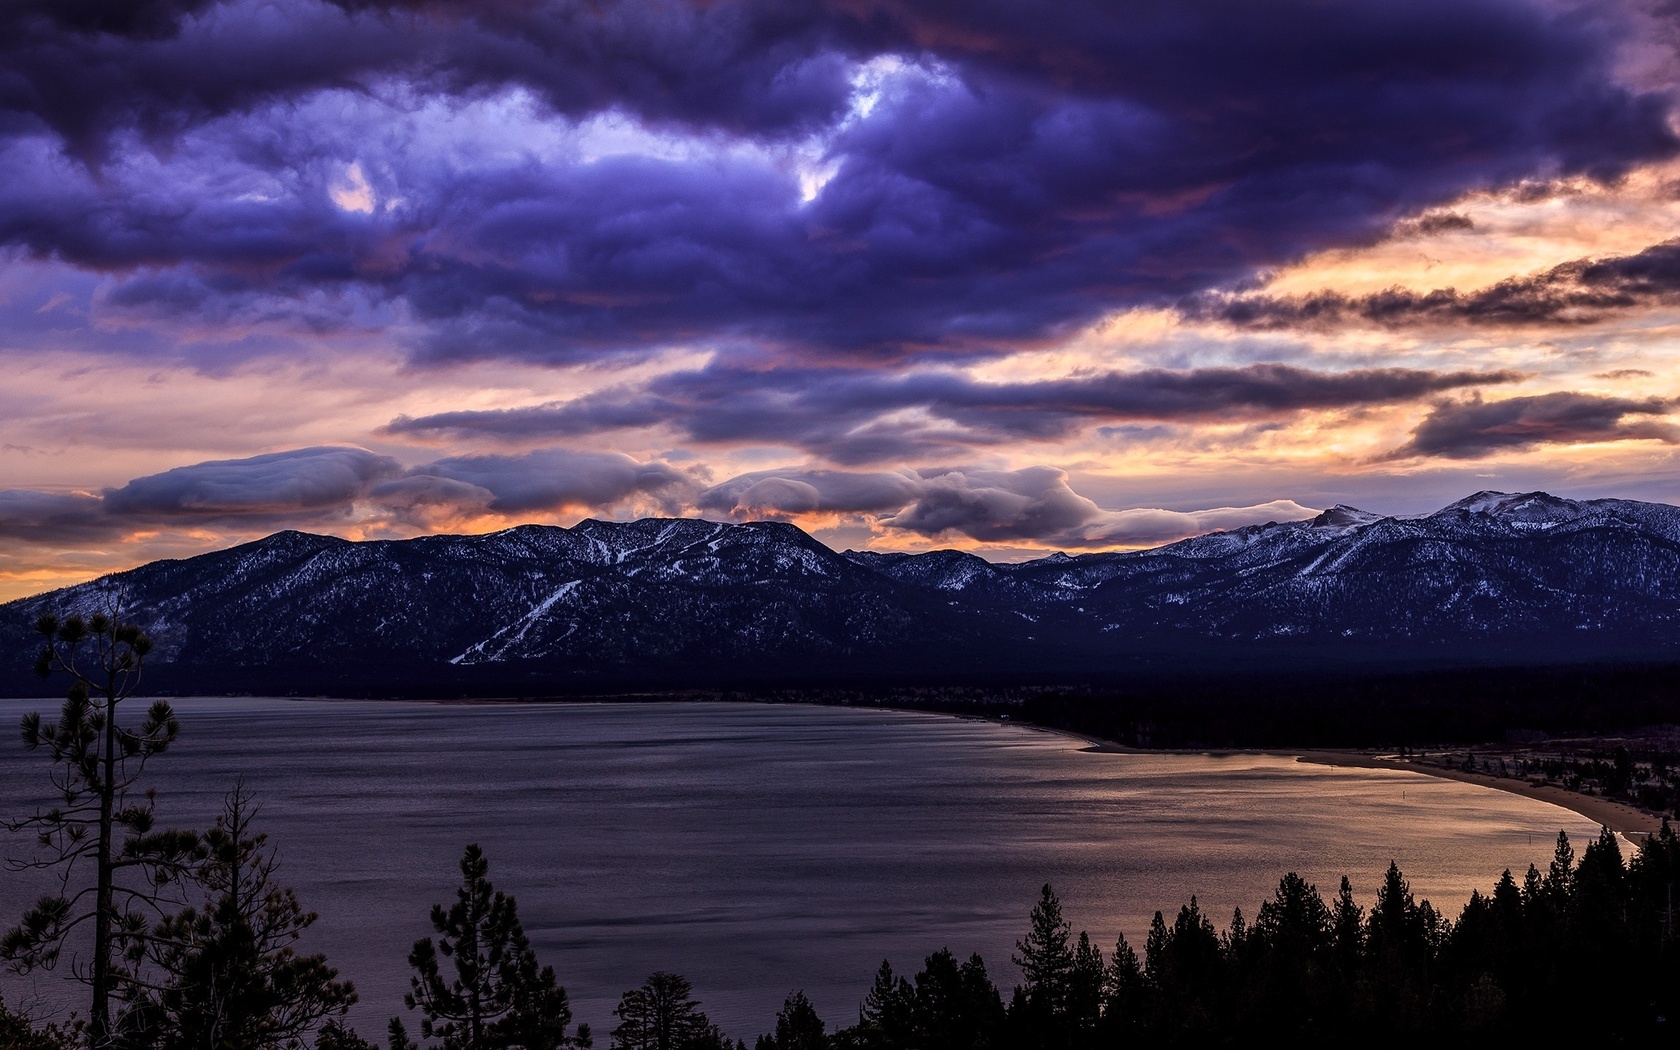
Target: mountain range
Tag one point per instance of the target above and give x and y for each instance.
(1493, 578)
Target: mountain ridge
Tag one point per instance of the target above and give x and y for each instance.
(1493, 573)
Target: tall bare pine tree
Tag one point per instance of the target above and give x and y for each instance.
(115, 866)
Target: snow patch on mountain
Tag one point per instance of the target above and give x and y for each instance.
(489, 649)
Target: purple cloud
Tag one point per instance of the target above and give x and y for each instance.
(1468, 429)
(277, 490)
(778, 493)
(306, 479)
(52, 517)
(548, 479)
(1034, 504)
(842, 414)
(325, 486)
(1018, 172)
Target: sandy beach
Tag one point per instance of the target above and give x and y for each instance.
(1617, 816)
(1625, 820)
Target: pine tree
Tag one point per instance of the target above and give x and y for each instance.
(1155, 952)
(661, 1015)
(1184, 965)
(498, 998)
(956, 1006)
(1560, 874)
(1394, 927)
(1085, 985)
(1234, 942)
(105, 826)
(231, 974)
(1295, 923)
(797, 1027)
(1400, 935)
(887, 1018)
(1046, 958)
(1124, 989)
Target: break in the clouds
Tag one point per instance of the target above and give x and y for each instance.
(1470, 429)
(865, 178)
(856, 416)
(1572, 294)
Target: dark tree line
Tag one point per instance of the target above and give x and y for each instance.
(1464, 706)
(1308, 706)
(1584, 949)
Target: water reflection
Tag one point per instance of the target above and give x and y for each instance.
(758, 849)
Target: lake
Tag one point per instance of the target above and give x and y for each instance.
(759, 849)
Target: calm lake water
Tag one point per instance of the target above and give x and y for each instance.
(759, 849)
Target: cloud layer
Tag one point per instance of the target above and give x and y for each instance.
(314, 486)
(1575, 293)
(858, 416)
(858, 179)
(1470, 429)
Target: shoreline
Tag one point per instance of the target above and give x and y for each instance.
(1628, 821)
(1632, 823)
(1619, 817)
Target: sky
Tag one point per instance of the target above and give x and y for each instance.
(1004, 276)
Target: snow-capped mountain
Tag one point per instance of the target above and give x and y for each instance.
(1528, 573)
(1491, 566)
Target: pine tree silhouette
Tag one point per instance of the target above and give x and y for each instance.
(498, 998)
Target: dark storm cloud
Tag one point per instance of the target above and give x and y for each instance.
(88, 69)
(298, 486)
(552, 479)
(305, 479)
(134, 19)
(304, 486)
(1573, 293)
(843, 415)
(54, 518)
(1468, 429)
(1037, 165)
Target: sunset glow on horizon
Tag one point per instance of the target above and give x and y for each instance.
(1005, 277)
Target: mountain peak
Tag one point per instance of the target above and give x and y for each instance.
(294, 540)
(1516, 506)
(1342, 516)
